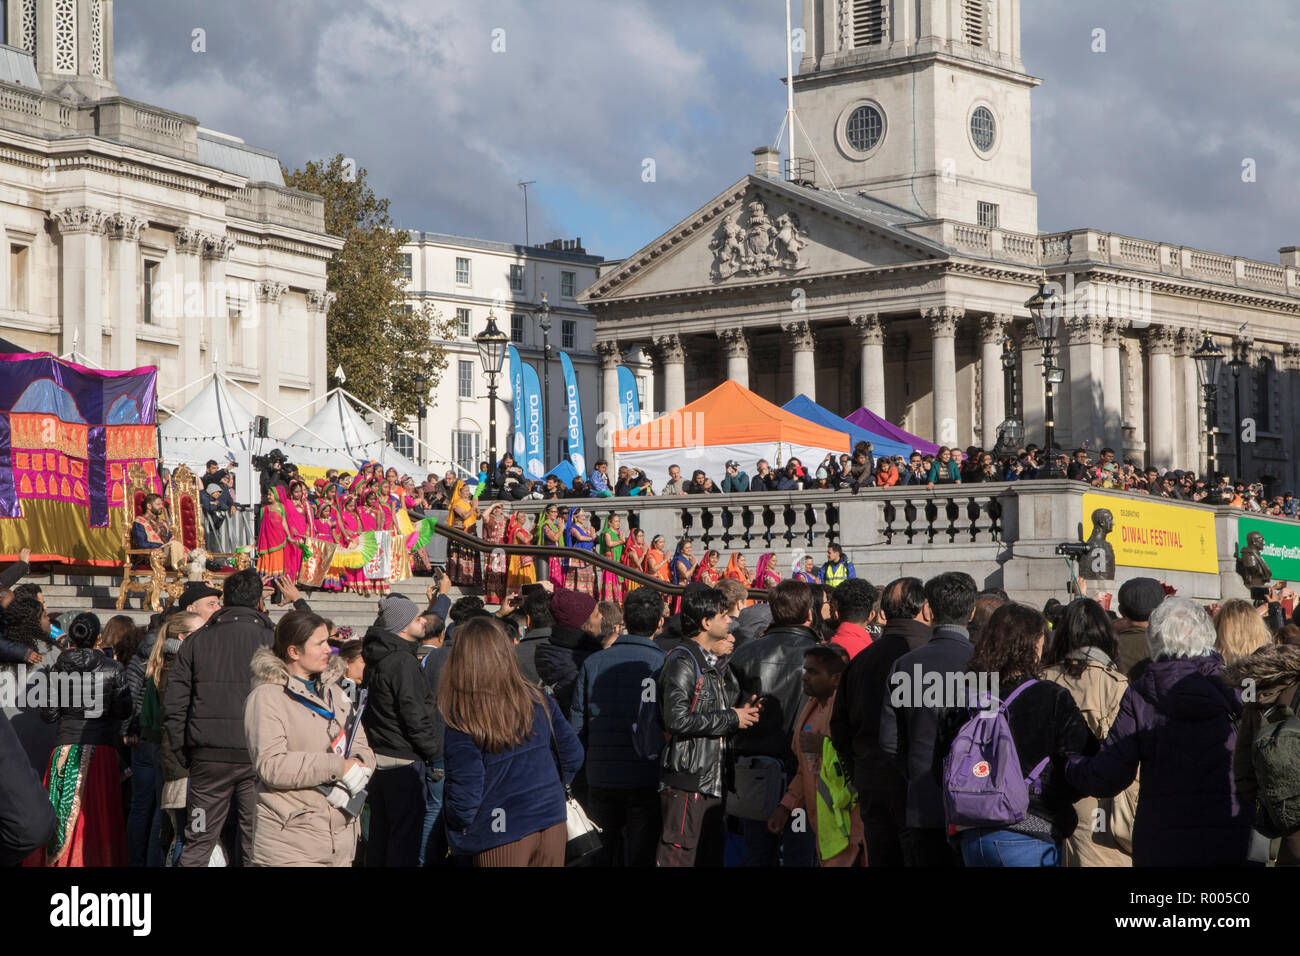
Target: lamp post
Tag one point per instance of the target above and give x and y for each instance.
(1011, 433)
(492, 343)
(1045, 308)
(544, 323)
(1237, 363)
(1209, 359)
(422, 389)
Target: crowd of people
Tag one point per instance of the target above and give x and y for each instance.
(834, 723)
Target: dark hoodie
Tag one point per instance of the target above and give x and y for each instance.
(95, 699)
(1178, 722)
(399, 708)
(559, 660)
(1274, 671)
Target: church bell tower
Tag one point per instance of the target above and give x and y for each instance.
(921, 103)
(71, 42)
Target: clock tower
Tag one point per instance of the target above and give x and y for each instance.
(921, 103)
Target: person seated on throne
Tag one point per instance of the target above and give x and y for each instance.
(150, 530)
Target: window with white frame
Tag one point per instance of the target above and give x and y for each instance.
(462, 323)
(150, 277)
(465, 379)
(405, 261)
(516, 278)
(466, 447)
(462, 271)
(517, 329)
(568, 334)
(568, 282)
(405, 444)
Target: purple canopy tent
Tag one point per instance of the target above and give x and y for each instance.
(872, 422)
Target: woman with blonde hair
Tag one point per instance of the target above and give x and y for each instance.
(509, 754)
(174, 780)
(1239, 630)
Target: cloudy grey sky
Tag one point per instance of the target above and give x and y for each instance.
(1146, 139)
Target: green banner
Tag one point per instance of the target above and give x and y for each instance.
(1281, 545)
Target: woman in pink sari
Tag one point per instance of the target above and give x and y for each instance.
(372, 519)
(298, 520)
(494, 568)
(765, 573)
(325, 528)
(272, 536)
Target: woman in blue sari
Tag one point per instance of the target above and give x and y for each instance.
(683, 567)
(579, 575)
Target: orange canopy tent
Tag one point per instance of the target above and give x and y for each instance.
(730, 422)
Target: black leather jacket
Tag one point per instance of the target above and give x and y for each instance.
(771, 667)
(695, 755)
(89, 698)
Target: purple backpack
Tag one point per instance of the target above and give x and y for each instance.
(982, 782)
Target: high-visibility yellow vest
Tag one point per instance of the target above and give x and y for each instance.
(835, 800)
(836, 574)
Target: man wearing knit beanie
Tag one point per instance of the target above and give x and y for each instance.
(1138, 597)
(400, 727)
(575, 635)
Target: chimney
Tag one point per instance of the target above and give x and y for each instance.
(767, 162)
(1290, 256)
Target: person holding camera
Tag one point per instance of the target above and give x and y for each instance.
(307, 748)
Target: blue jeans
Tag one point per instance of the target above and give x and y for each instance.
(146, 796)
(985, 847)
(788, 848)
(433, 838)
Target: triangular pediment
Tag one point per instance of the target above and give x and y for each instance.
(762, 230)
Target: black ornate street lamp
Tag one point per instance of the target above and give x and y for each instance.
(492, 344)
(1045, 307)
(544, 323)
(422, 389)
(1209, 360)
(1237, 363)
(1011, 433)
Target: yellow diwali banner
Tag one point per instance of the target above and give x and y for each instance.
(1159, 536)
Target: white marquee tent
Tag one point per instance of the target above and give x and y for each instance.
(337, 436)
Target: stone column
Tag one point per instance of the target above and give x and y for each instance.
(1031, 384)
(611, 356)
(803, 343)
(269, 294)
(190, 302)
(1086, 416)
(673, 359)
(871, 339)
(1111, 387)
(1291, 401)
(736, 347)
(1134, 409)
(216, 253)
(125, 281)
(82, 229)
(993, 329)
(943, 372)
(1189, 400)
(318, 307)
(1160, 346)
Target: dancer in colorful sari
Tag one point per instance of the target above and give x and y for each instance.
(325, 527)
(579, 575)
(272, 536)
(550, 533)
(737, 570)
(707, 572)
(494, 566)
(656, 559)
(521, 569)
(765, 572)
(462, 562)
(634, 553)
(682, 568)
(372, 519)
(808, 573)
(609, 542)
(298, 522)
(82, 777)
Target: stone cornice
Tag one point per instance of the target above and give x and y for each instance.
(1188, 288)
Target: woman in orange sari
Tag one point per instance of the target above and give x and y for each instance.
(494, 570)
(521, 569)
(462, 562)
(656, 559)
(737, 570)
(634, 555)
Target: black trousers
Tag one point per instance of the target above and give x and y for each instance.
(692, 832)
(214, 787)
(884, 818)
(928, 847)
(631, 822)
(397, 803)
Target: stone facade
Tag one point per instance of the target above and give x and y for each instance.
(901, 286)
(133, 237)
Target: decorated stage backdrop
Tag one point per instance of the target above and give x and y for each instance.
(67, 436)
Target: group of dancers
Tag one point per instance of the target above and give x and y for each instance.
(500, 575)
(359, 540)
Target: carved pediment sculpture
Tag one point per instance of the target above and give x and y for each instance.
(749, 243)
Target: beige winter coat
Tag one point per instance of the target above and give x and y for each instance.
(1105, 831)
(289, 744)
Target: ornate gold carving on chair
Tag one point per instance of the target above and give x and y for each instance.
(187, 528)
(150, 579)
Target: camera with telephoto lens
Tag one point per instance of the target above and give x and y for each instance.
(1074, 549)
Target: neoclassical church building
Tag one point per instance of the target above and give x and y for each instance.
(887, 265)
(134, 237)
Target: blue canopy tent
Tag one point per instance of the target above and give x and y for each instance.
(565, 472)
(806, 408)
